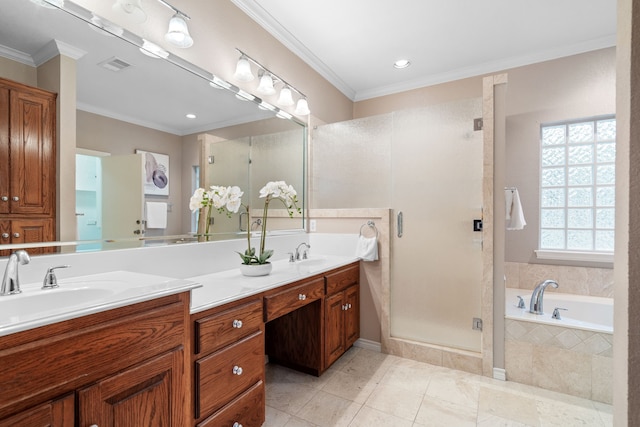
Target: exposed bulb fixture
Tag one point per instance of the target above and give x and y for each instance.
(153, 50)
(178, 34)
(49, 4)
(302, 107)
(132, 8)
(285, 99)
(243, 70)
(266, 85)
(402, 63)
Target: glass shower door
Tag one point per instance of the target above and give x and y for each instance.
(437, 263)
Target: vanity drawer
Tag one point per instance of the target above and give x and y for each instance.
(247, 409)
(221, 329)
(343, 278)
(218, 376)
(293, 298)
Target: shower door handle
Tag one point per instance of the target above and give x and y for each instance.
(400, 224)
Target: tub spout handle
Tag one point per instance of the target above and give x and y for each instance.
(556, 313)
(520, 302)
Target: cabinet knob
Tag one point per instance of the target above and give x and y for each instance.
(4, 198)
(16, 235)
(344, 307)
(237, 324)
(93, 425)
(5, 235)
(15, 198)
(237, 370)
(302, 297)
(236, 424)
(348, 306)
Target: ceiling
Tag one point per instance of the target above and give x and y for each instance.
(354, 43)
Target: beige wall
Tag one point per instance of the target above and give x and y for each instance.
(567, 88)
(18, 72)
(101, 133)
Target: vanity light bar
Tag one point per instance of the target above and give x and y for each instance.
(264, 69)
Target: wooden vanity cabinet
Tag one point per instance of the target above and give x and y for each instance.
(342, 312)
(228, 364)
(127, 367)
(28, 159)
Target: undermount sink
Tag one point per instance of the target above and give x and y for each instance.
(314, 261)
(46, 300)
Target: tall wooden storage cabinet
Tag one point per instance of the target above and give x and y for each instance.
(28, 164)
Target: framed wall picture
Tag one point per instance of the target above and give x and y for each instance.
(155, 175)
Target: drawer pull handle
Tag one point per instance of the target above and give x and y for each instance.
(302, 297)
(237, 324)
(237, 370)
(236, 424)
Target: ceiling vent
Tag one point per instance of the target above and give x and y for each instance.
(115, 64)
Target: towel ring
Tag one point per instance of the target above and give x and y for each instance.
(372, 225)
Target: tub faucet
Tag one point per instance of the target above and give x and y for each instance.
(10, 281)
(535, 306)
(304, 253)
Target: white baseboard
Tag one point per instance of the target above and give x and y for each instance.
(368, 345)
(499, 374)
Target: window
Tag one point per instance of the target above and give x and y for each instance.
(577, 186)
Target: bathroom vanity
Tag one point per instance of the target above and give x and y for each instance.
(304, 323)
(190, 352)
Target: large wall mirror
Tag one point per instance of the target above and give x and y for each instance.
(132, 105)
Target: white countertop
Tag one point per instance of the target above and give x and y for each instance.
(227, 286)
(81, 296)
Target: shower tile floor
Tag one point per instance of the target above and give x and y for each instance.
(366, 388)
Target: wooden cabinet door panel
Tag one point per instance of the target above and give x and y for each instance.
(4, 150)
(352, 315)
(247, 410)
(140, 396)
(334, 328)
(216, 376)
(59, 413)
(32, 153)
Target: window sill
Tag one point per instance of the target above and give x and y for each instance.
(575, 256)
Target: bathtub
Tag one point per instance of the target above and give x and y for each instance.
(583, 312)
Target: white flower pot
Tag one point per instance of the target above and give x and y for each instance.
(253, 270)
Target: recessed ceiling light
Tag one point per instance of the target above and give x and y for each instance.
(402, 63)
(191, 116)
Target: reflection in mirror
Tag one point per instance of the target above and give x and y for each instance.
(122, 103)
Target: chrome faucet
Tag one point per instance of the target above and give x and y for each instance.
(10, 281)
(304, 253)
(535, 306)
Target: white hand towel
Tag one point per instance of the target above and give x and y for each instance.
(156, 214)
(515, 214)
(367, 248)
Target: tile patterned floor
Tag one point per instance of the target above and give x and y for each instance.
(365, 388)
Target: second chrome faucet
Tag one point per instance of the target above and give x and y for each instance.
(536, 304)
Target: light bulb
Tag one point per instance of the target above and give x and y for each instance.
(285, 98)
(243, 70)
(266, 85)
(178, 34)
(302, 107)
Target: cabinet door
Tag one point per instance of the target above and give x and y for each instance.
(4, 150)
(32, 231)
(59, 413)
(145, 395)
(334, 328)
(32, 153)
(351, 315)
